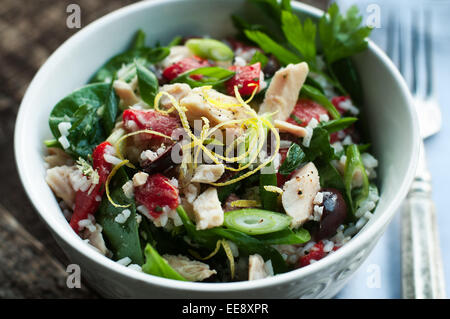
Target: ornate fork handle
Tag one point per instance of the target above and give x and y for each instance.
(423, 276)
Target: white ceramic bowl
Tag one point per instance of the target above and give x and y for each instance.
(388, 113)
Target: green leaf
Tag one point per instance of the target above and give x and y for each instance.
(301, 37)
(354, 166)
(259, 57)
(315, 95)
(286, 237)
(330, 177)
(268, 45)
(338, 125)
(319, 147)
(123, 239)
(158, 266)
(139, 40)
(340, 36)
(269, 200)
(175, 41)
(210, 76)
(109, 110)
(148, 84)
(144, 55)
(345, 72)
(81, 109)
(294, 158)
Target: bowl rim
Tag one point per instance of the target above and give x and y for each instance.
(72, 240)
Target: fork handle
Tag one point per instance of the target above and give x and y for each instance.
(422, 270)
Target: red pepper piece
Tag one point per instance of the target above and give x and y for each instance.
(156, 193)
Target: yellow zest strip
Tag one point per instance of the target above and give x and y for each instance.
(277, 147)
(220, 105)
(230, 256)
(110, 176)
(212, 254)
(156, 103)
(120, 140)
(273, 189)
(245, 203)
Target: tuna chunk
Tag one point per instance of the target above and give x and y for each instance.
(283, 91)
(177, 53)
(198, 106)
(58, 178)
(208, 211)
(208, 173)
(299, 193)
(192, 270)
(125, 92)
(57, 157)
(256, 267)
(177, 90)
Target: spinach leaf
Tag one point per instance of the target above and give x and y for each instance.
(338, 125)
(148, 83)
(80, 108)
(109, 110)
(246, 243)
(319, 147)
(210, 76)
(268, 45)
(354, 166)
(144, 55)
(158, 266)
(269, 200)
(315, 95)
(286, 237)
(123, 238)
(342, 36)
(294, 158)
(301, 37)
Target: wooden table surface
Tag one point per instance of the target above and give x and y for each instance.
(31, 263)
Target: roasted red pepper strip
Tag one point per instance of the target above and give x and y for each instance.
(184, 65)
(245, 75)
(156, 193)
(87, 203)
(304, 111)
(316, 253)
(150, 120)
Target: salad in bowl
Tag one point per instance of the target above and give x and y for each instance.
(220, 160)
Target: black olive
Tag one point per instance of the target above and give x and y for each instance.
(271, 67)
(334, 212)
(161, 163)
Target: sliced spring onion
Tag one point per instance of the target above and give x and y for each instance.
(210, 49)
(256, 221)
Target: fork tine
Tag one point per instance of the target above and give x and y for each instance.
(428, 44)
(415, 46)
(390, 35)
(400, 45)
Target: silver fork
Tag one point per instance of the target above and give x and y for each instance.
(422, 270)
